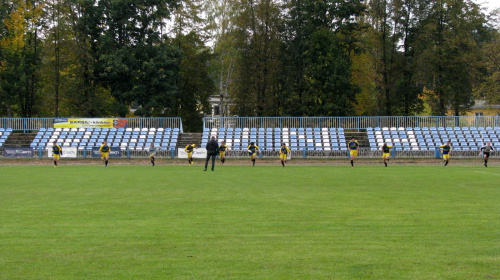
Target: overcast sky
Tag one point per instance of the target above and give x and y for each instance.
(491, 4)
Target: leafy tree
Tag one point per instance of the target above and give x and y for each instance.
(487, 84)
(318, 45)
(20, 57)
(453, 33)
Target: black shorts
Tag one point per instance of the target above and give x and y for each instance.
(486, 154)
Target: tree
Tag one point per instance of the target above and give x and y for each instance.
(318, 46)
(20, 57)
(487, 84)
(453, 33)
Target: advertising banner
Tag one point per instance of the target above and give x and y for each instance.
(68, 152)
(18, 152)
(197, 153)
(90, 123)
(115, 152)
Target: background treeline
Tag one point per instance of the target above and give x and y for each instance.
(264, 57)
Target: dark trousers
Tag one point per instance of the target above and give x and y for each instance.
(213, 160)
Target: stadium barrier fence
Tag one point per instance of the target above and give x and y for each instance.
(351, 123)
(33, 124)
(301, 154)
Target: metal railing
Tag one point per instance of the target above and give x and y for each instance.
(352, 123)
(30, 124)
(368, 153)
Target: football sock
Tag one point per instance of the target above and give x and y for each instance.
(253, 162)
(485, 162)
(352, 163)
(446, 163)
(385, 164)
(283, 163)
(106, 162)
(55, 163)
(153, 161)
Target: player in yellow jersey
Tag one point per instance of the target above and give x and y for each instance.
(252, 152)
(284, 152)
(56, 153)
(223, 150)
(189, 150)
(446, 152)
(353, 150)
(386, 149)
(104, 149)
(152, 153)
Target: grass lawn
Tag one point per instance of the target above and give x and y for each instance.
(239, 222)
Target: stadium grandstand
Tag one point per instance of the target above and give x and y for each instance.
(313, 137)
(4, 134)
(126, 138)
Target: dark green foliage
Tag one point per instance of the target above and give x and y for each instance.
(317, 77)
(270, 58)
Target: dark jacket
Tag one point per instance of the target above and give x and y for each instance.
(212, 147)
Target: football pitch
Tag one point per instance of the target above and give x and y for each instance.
(239, 222)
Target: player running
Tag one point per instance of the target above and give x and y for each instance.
(104, 149)
(189, 150)
(152, 153)
(223, 149)
(446, 152)
(353, 150)
(386, 149)
(56, 153)
(252, 152)
(486, 150)
(284, 151)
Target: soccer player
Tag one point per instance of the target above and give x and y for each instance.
(386, 149)
(252, 152)
(189, 150)
(486, 150)
(353, 150)
(104, 149)
(222, 152)
(152, 153)
(56, 153)
(284, 151)
(446, 152)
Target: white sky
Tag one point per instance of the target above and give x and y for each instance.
(490, 4)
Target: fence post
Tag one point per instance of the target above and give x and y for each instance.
(128, 153)
(172, 153)
(304, 153)
(40, 155)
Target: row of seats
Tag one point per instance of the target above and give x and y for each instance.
(4, 134)
(271, 139)
(427, 139)
(134, 139)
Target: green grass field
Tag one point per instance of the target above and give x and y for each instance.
(239, 222)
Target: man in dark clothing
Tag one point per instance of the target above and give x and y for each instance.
(212, 150)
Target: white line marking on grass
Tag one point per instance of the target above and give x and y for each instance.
(487, 173)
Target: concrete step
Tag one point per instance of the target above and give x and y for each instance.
(19, 139)
(360, 136)
(189, 138)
